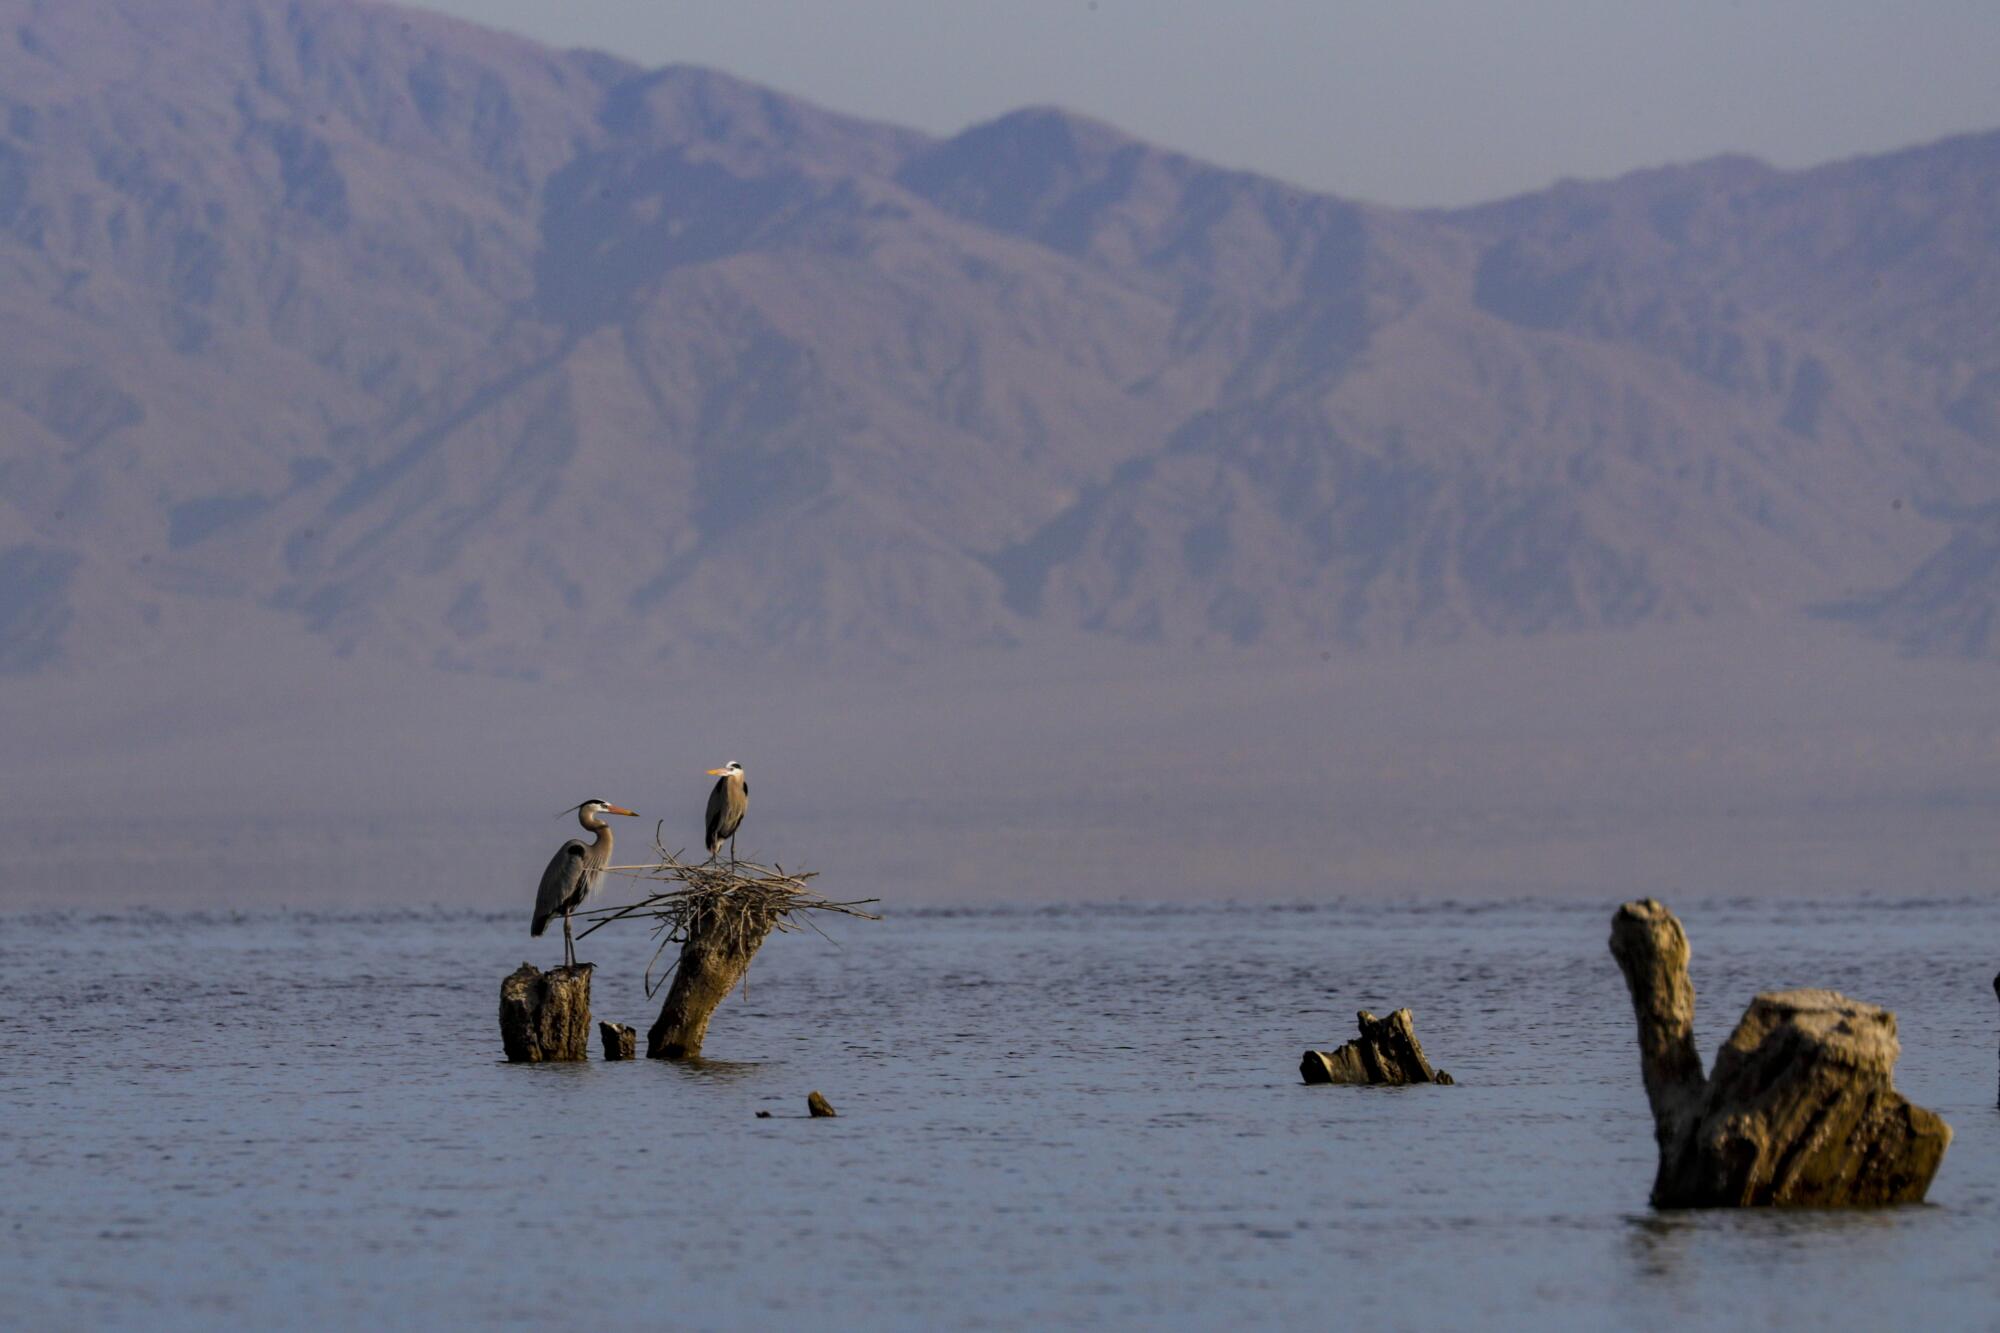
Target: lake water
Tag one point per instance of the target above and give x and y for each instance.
(1082, 1117)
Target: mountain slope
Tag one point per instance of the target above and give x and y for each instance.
(1950, 604)
(444, 346)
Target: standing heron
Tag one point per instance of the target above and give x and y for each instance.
(726, 805)
(574, 871)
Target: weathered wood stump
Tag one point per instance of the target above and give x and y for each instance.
(722, 938)
(546, 1015)
(819, 1107)
(720, 913)
(1800, 1110)
(620, 1042)
(1387, 1051)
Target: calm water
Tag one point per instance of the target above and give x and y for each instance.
(1085, 1117)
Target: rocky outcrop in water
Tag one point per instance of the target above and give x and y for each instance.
(1387, 1051)
(546, 1015)
(1800, 1109)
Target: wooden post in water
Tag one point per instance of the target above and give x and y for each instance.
(1800, 1108)
(546, 1015)
(722, 938)
(719, 913)
(618, 1039)
(1387, 1051)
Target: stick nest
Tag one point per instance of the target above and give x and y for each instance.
(728, 905)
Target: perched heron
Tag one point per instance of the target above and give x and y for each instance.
(726, 805)
(574, 871)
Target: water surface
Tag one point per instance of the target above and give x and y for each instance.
(1090, 1116)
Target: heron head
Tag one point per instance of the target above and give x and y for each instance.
(588, 811)
(732, 769)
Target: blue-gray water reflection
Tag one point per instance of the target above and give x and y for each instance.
(1089, 1116)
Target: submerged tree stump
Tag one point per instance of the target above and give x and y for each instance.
(1386, 1052)
(721, 940)
(1800, 1110)
(546, 1015)
(620, 1041)
(720, 913)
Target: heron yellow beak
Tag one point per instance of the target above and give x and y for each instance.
(621, 810)
(717, 772)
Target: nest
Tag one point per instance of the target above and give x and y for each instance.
(727, 905)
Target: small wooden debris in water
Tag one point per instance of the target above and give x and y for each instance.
(1386, 1052)
(719, 913)
(545, 1016)
(819, 1106)
(620, 1042)
(1800, 1109)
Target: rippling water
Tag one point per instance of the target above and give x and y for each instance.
(1088, 1116)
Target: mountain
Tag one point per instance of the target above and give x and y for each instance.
(1950, 604)
(438, 346)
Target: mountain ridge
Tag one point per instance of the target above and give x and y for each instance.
(464, 351)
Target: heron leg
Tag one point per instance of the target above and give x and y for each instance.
(569, 943)
(732, 849)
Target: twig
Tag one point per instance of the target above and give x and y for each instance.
(740, 899)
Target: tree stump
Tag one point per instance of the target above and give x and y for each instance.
(546, 1015)
(620, 1041)
(1386, 1052)
(818, 1107)
(1800, 1110)
(722, 938)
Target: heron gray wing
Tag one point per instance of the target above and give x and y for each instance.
(718, 803)
(562, 883)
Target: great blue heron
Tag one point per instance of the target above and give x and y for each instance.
(726, 805)
(574, 871)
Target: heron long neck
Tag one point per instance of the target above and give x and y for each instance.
(600, 850)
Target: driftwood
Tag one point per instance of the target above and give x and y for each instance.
(819, 1107)
(713, 959)
(546, 1015)
(1800, 1110)
(1387, 1051)
(720, 914)
(620, 1041)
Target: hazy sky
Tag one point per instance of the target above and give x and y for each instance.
(1413, 102)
